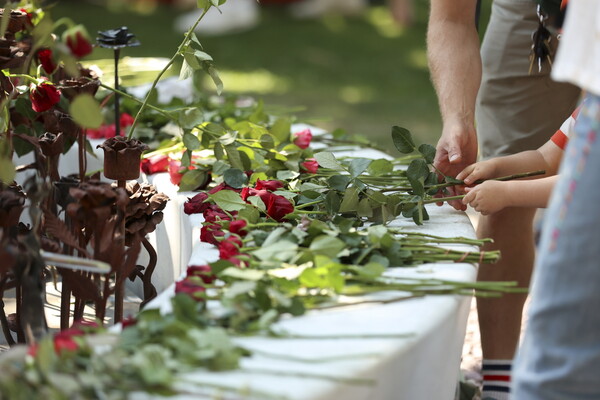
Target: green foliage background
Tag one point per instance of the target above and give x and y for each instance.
(363, 74)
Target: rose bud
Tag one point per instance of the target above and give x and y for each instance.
(78, 41)
(190, 287)
(268, 185)
(155, 164)
(238, 227)
(310, 165)
(45, 58)
(43, 96)
(303, 138)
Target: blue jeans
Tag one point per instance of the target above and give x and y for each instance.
(559, 358)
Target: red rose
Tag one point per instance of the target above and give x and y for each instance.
(64, 343)
(155, 164)
(310, 165)
(229, 247)
(29, 16)
(263, 194)
(303, 138)
(175, 171)
(211, 215)
(43, 96)
(196, 204)
(78, 41)
(222, 186)
(128, 321)
(33, 349)
(83, 326)
(278, 207)
(104, 132)
(191, 288)
(268, 185)
(45, 58)
(238, 227)
(210, 233)
(126, 120)
(203, 272)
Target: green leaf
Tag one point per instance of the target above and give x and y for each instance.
(350, 200)
(332, 202)
(228, 200)
(7, 170)
(233, 155)
(281, 129)
(416, 173)
(285, 175)
(373, 269)
(191, 117)
(403, 140)
(247, 274)
(238, 288)
(219, 167)
(215, 78)
(219, 151)
(202, 56)
(250, 214)
(364, 208)
(191, 141)
(358, 166)
(86, 111)
(282, 251)
(192, 179)
(267, 141)
(379, 167)
(42, 31)
(191, 61)
(428, 152)
(327, 245)
(186, 71)
(235, 178)
(326, 159)
(339, 182)
(186, 158)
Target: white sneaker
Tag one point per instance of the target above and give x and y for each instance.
(235, 16)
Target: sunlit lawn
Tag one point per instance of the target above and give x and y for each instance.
(362, 74)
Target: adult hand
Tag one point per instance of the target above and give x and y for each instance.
(456, 149)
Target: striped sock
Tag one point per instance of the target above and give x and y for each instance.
(496, 379)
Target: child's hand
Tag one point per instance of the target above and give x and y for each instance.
(480, 170)
(488, 197)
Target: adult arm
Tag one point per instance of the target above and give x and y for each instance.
(455, 65)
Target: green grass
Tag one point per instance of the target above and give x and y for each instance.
(362, 74)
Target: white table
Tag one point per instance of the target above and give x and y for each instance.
(423, 365)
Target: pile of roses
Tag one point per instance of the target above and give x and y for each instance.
(217, 222)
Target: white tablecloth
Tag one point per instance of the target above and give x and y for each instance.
(422, 365)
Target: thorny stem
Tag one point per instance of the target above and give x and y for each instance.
(161, 73)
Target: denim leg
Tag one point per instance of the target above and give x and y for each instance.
(559, 358)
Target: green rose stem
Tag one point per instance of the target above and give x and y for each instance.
(300, 374)
(253, 392)
(314, 360)
(281, 334)
(439, 239)
(184, 43)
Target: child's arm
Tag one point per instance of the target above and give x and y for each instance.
(492, 196)
(545, 158)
